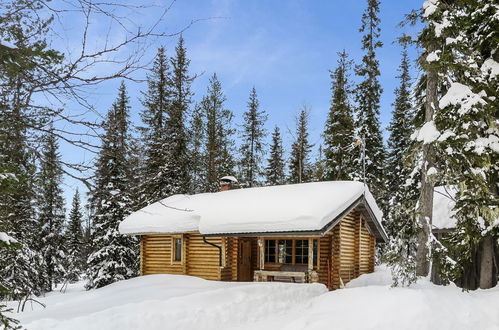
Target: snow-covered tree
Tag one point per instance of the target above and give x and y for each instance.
(252, 142)
(299, 163)
(275, 171)
(196, 152)
(114, 256)
(367, 97)
(156, 183)
(177, 173)
(339, 130)
(400, 128)
(51, 212)
(75, 264)
(466, 133)
(219, 147)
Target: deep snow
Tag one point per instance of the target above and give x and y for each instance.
(184, 302)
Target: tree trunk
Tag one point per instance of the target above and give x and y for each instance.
(425, 203)
(487, 265)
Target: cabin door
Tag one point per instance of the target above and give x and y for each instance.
(244, 260)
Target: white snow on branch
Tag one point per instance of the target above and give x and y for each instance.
(429, 7)
(428, 133)
(490, 67)
(462, 95)
(433, 56)
(6, 238)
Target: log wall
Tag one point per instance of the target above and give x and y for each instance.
(346, 252)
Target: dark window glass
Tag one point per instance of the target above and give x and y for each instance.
(285, 249)
(301, 251)
(270, 250)
(178, 249)
(315, 251)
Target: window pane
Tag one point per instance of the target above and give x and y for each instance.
(270, 250)
(315, 251)
(301, 252)
(285, 251)
(178, 249)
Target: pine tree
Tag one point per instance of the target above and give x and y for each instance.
(157, 102)
(51, 213)
(75, 264)
(367, 96)
(252, 142)
(300, 167)
(219, 159)
(400, 128)
(339, 131)
(275, 170)
(115, 256)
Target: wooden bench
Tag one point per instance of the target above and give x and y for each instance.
(266, 275)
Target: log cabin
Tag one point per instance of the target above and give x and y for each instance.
(322, 232)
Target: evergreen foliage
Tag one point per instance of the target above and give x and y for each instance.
(367, 97)
(400, 128)
(75, 262)
(275, 171)
(252, 142)
(219, 143)
(114, 257)
(157, 101)
(339, 129)
(299, 166)
(196, 152)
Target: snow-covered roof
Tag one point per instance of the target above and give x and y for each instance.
(443, 205)
(306, 207)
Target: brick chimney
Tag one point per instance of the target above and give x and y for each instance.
(227, 183)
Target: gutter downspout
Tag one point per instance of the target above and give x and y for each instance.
(219, 250)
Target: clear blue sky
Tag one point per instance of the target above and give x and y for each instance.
(283, 48)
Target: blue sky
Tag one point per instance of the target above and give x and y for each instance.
(283, 48)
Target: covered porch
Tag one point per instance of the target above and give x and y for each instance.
(282, 259)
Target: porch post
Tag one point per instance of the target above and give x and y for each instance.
(310, 254)
(261, 253)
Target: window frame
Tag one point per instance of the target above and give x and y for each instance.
(174, 249)
(293, 250)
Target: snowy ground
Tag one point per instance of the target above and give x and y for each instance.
(183, 302)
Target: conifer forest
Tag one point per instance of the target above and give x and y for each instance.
(105, 109)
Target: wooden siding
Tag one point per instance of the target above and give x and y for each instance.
(157, 255)
(346, 252)
(203, 258)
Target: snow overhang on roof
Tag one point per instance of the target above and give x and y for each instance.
(307, 209)
(443, 208)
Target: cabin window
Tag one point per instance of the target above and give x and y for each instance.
(301, 251)
(177, 249)
(289, 251)
(285, 249)
(270, 250)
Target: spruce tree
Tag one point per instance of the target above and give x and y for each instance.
(252, 142)
(339, 130)
(299, 164)
(467, 135)
(196, 152)
(367, 97)
(219, 148)
(275, 170)
(114, 256)
(177, 172)
(21, 270)
(75, 264)
(51, 212)
(400, 128)
(157, 102)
